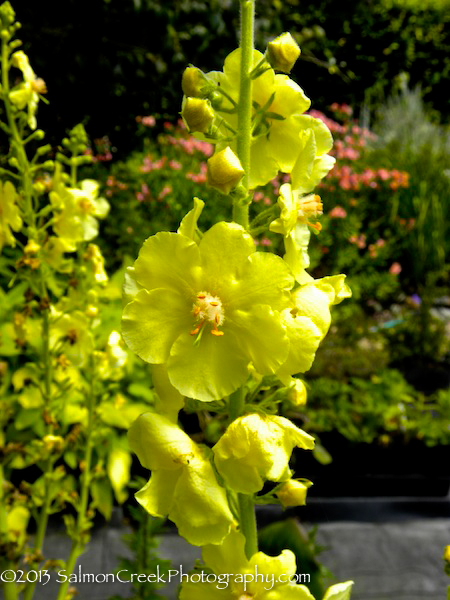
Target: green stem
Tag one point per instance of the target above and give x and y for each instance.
(248, 524)
(244, 135)
(16, 138)
(82, 525)
(42, 521)
(236, 404)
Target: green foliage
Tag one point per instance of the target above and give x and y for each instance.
(381, 408)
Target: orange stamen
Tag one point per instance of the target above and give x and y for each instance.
(201, 296)
(197, 329)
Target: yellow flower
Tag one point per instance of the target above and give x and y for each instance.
(9, 214)
(256, 448)
(307, 323)
(234, 577)
(118, 469)
(293, 492)
(183, 484)
(94, 255)
(278, 124)
(70, 334)
(28, 91)
(76, 222)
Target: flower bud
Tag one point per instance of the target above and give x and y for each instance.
(297, 393)
(293, 492)
(53, 442)
(282, 52)
(32, 247)
(197, 113)
(193, 82)
(224, 170)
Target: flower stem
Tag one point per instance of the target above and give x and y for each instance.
(244, 135)
(248, 524)
(236, 404)
(82, 524)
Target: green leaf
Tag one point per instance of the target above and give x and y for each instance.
(102, 496)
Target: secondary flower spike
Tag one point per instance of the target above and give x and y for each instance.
(207, 310)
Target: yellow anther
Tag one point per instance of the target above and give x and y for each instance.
(214, 303)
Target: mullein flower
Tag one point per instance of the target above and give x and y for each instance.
(275, 581)
(94, 255)
(118, 469)
(10, 218)
(26, 94)
(278, 103)
(78, 208)
(308, 322)
(70, 334)
(207, 310)
(183, 485)
(256, 448)
(297, 210)
(312, 163)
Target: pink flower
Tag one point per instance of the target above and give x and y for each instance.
(174, 164)
(384, 174)
(167, 189)
(338, 212)
(149, 121)
(396, 268)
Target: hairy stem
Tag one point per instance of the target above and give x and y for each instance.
(244, 135)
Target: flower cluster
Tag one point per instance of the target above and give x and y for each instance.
(217, 318)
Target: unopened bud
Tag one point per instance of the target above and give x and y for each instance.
(91, 311)
(224, 170)
(297, 393)
(53, 442)
(194, 82)
(32, 247)
(282, 52)
(293, 492)
(197, 113)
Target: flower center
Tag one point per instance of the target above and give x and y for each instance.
(207, 309)
(310, 206)
(86, 205)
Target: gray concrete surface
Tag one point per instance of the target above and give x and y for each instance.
(393, 560)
